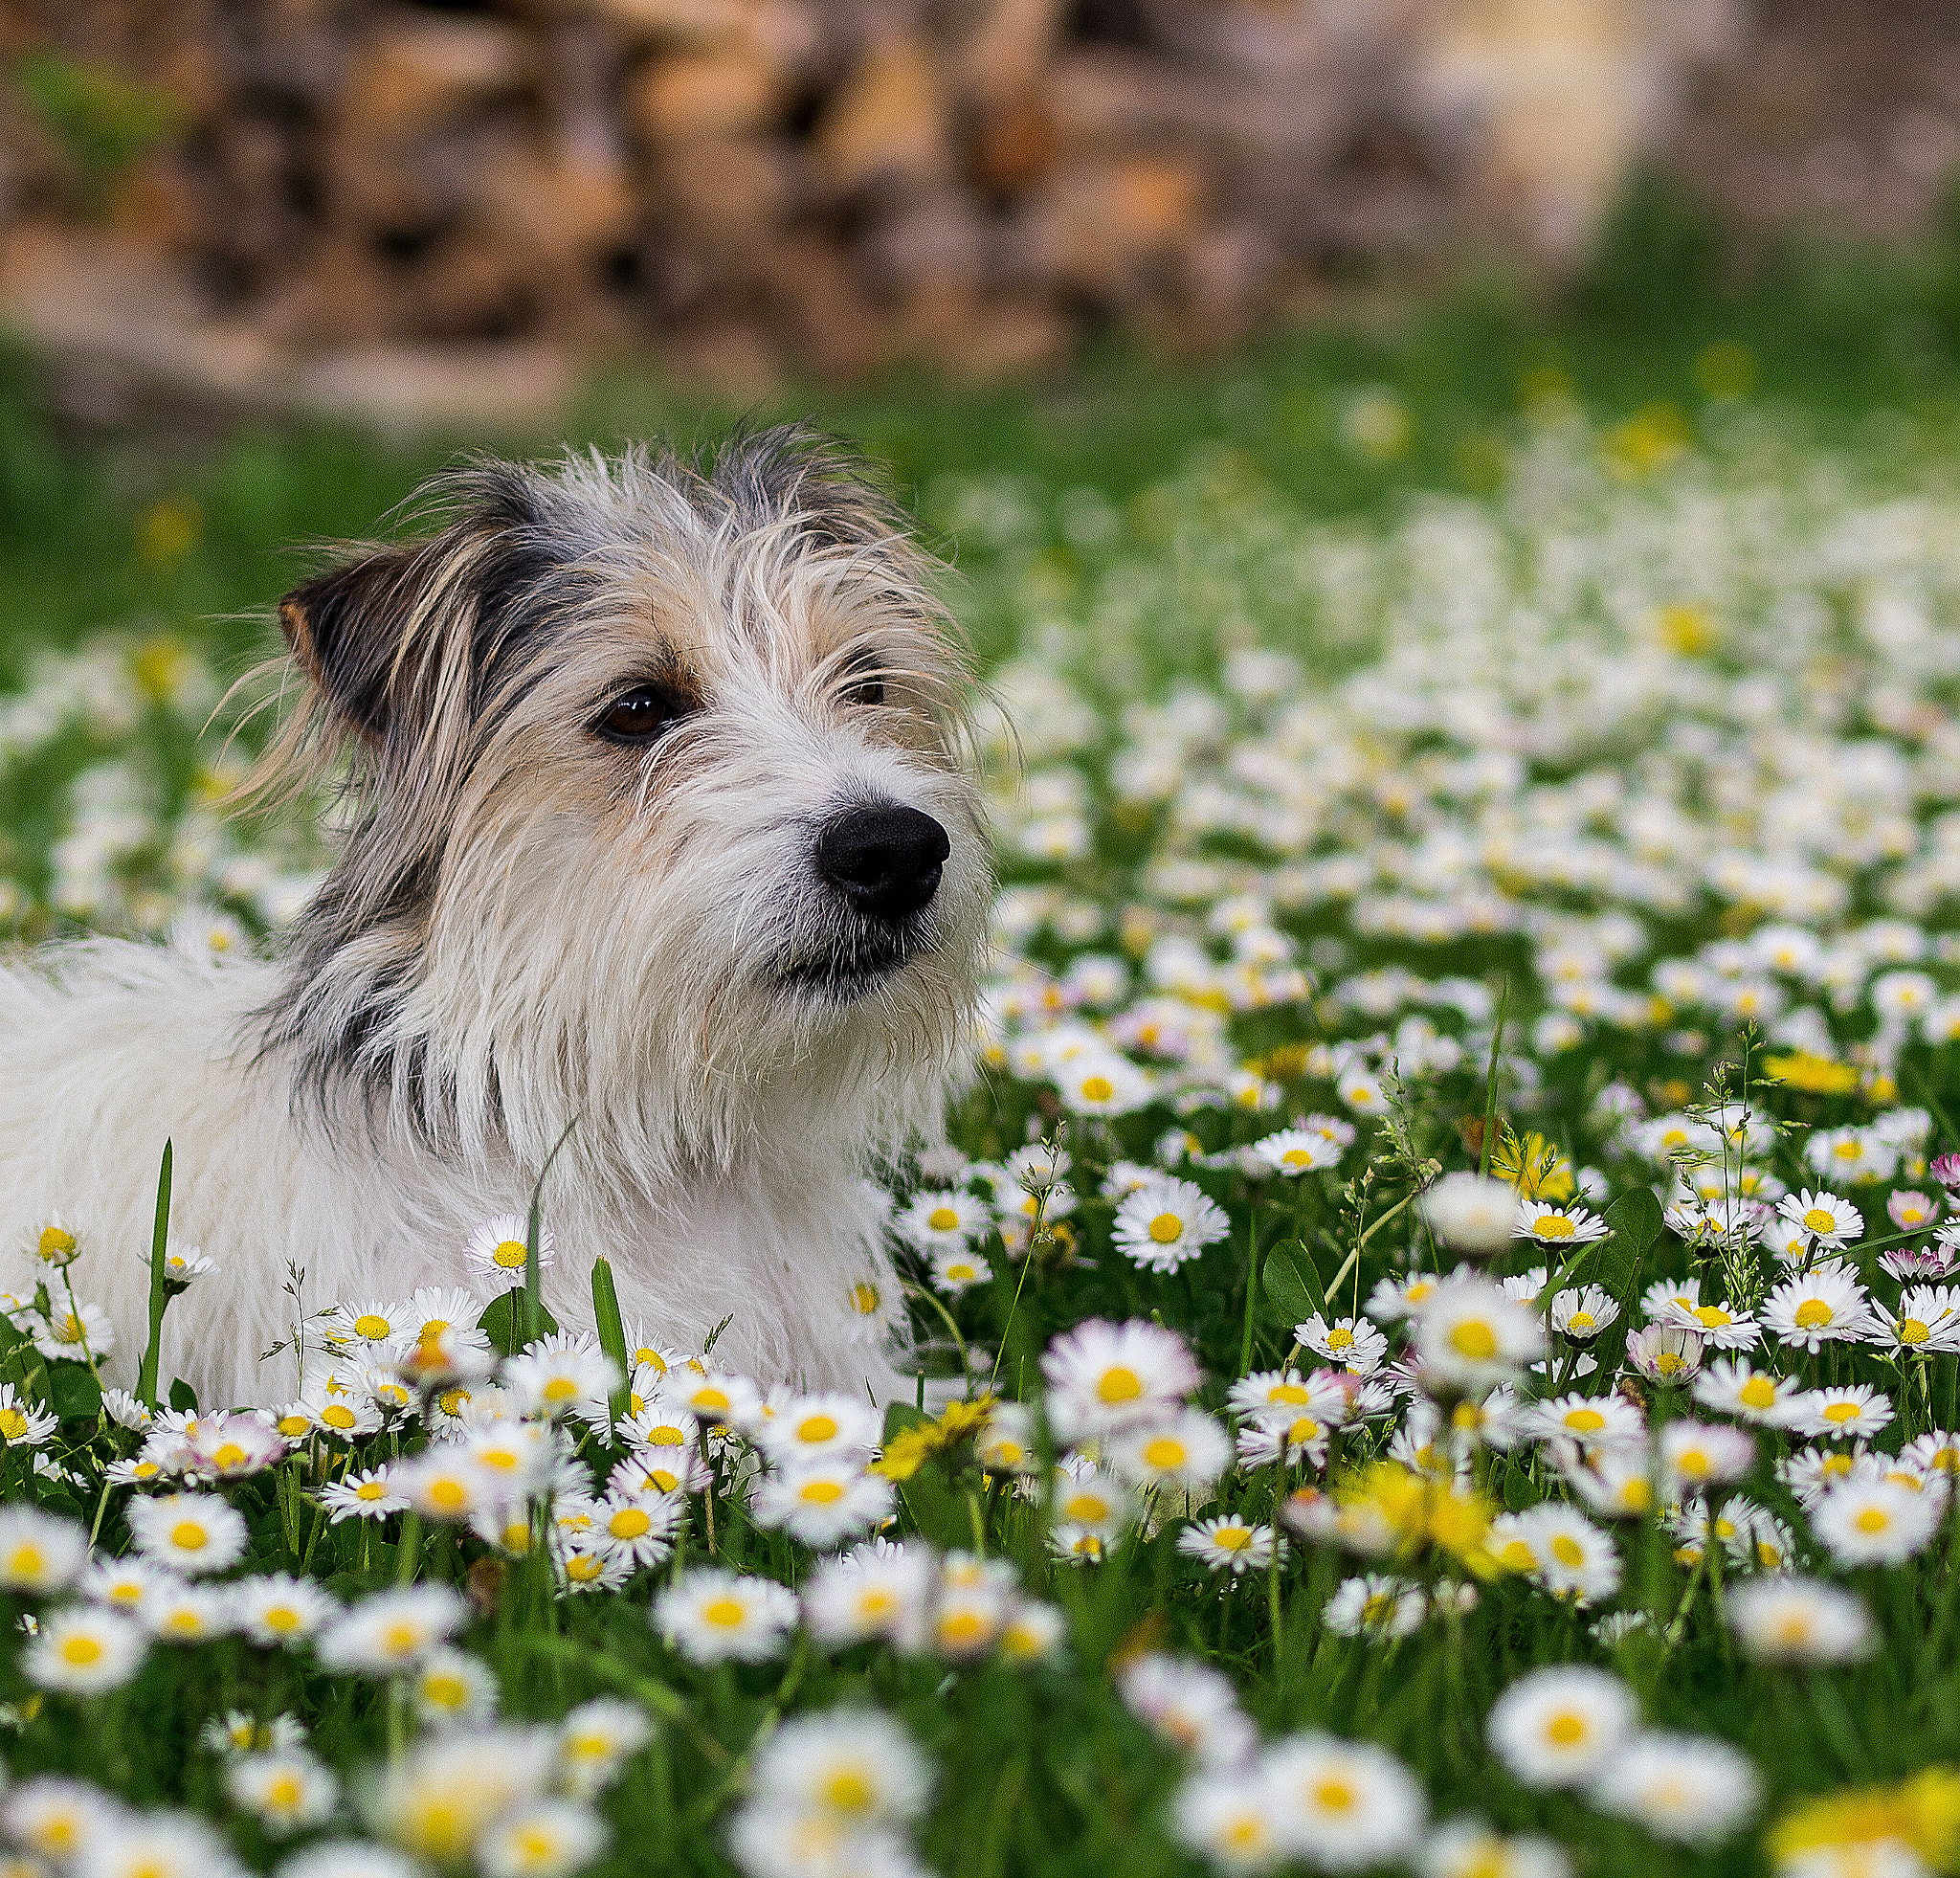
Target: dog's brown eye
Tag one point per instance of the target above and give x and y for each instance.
(641, 715)
(864, 685)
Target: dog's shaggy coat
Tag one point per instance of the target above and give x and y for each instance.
(535, 923)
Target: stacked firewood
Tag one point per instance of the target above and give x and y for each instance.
(827, 185)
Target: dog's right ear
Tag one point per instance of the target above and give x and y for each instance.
(348, 627)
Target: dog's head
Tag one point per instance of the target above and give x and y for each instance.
(664, 817)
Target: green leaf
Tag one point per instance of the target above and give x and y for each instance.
(1293, 1287)
(612, 1330)
(72, 1391)
(1636, 1221)
(503, 1321)
(183, 1397)
(1518, 1493)
(1635, 1217)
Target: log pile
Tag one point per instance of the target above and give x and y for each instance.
(811, 185)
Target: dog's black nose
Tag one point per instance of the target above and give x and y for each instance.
(884, 859)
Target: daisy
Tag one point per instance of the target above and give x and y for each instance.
(1190, 1706)
(1354, 1342)
(1555, 1225)
(191, 1532)
(159, 1844)
(1820, 1306)
(39, 1553)
(1873, 1522)
(1850, 1154)
(21, 1423)
(280, 1608)
(1717, 1325)
(638, 1527)
(820, 1427)
(1590, 1421)
(179, 1612)
(1471, 1213)
(1395, 1298)
(943, 1220)
(713, 1397)
(389, 1632)
(545, 1839)
(1696, 1455)
(1928, 1320)
(371, 1326)
(495, 1251)
(285, 1792)
(1091, 1498)
(1802, 1621)
(1854, 1413)
(1103, 1083)
(1666, 1355)
(1468, 1848)
(1163, 1224)
(1102, 1375)
(83, 1651)
(820, 1501)
(874, 1590)
(1470, 1336)
(1822, 1217)
(1186, 1449)
(1377, 1605)
(1294, 1152)
(54, 1242)
(1732, 1387)
(1005, 1445)
(56, 1817)
(1582, 1314)
(716, 1616)
(449, 1687)
(1346, 1805)
(1229, 1544)
(582, 1567)
(1691, 1790)
(122, 1584)
(1615, 1482)
(858, 1764)
(77, 1333)
(1031, 1631)
(563, 1375)
(595, 1740)
(1561, 1726)
(366, 1495)
(1913, 1211)
(955, 1269)
(1278, 1398)
(1574, 1559)
(438, 1799)
(1230, 1821)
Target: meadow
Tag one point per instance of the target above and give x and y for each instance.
(1438, 1339)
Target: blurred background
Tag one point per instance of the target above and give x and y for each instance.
(404, 214)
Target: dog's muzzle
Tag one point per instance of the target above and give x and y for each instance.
(882, 863)
(883, 860)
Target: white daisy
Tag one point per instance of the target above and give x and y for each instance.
(495, 1251)
(1163, 1224)
(1561, 1726)
(717, 1616)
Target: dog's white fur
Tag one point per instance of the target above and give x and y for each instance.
(531, 928)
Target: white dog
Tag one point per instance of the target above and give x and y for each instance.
(660, 829)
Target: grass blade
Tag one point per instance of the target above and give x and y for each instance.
(158, 1296)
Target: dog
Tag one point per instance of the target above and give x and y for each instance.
(660, 838)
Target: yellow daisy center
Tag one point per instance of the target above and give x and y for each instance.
(1757, 1393)
(1585, 1421)
(1566, 1729)
(1552, 1225)
(78, 1652)
(823, 1492)
(1119, 1384)
(1166, 1227)
(942, 1220)
(508, 1253)
(725, 1613)
(1475, 1340)
(629, 1523)
(1913, 1331)
(1812, 1312)
(371, 1325)
(1232, 1538)
(817, 1428)
(1166, 1451)
(1819, 1219)
(1097, 1088)
(186, 1535)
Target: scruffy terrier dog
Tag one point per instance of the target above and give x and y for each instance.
(662, 828)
